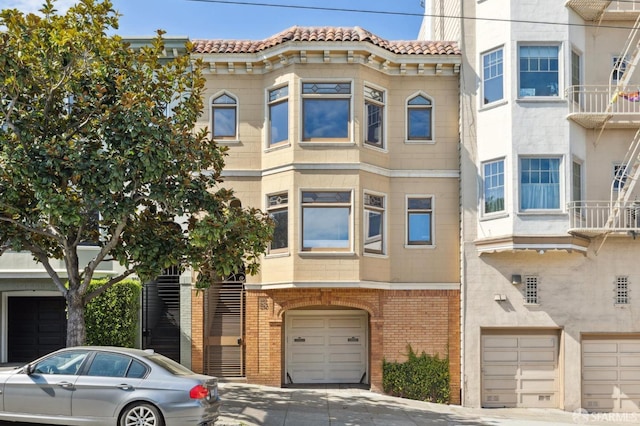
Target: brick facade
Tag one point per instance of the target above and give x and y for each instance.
(428, 320)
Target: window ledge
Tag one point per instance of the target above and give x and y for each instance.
(421, 246)
(494, 216)
(327, 254)
(531, 305)
(278, 147)
(382, 149)
(227, 141)
(621, 305)
(376, 255)
(493, 105)
(415, 142)
(543, 213)
(277, 255)
(347, 144)
(542, 99)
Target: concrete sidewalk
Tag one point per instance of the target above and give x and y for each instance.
(248, 405)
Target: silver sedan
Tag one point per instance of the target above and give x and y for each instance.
(95, 385)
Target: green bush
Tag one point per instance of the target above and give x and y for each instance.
(423, 378)
(112, 317)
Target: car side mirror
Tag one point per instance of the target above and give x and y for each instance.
(29, 369)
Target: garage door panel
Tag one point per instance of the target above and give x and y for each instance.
(537, 356)
(326, 347)
(611, 380)
(537, 342)
(500, 356)
(601, 361)
(520, 370)
(497, 383)
(599, 374)
(500, 370)
(538, 400)
(537, 385)
(630, 360)
(500, 342)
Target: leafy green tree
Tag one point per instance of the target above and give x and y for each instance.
(98, 144)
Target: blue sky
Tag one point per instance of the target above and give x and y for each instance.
(215, 19)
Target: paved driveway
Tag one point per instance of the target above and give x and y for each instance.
(248, 405)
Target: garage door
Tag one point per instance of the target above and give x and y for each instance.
(326, 347)
(520, 370)
(36, 326)
(611, 375)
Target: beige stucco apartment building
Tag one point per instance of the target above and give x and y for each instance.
(350, 142)
(550, 254)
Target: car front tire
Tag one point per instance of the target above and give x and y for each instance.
(141, 414)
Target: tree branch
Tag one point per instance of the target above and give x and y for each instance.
(43, 258)
(114, 280)
(31, 229)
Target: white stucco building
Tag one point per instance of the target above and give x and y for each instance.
(550, 259)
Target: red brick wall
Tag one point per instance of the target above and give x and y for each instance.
(428, 320)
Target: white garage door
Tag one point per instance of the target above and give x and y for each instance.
(326, 347)
(611, 375)
(520, 370)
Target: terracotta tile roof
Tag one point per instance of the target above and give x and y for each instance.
(327, 34)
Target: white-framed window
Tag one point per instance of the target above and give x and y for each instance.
(620, 175)
(419, 118)
(492, 76)
(419, 220)
(576, 181)
(539, 71)
(539, 183)
(374, 102)
(278, 210)
(326, 111)
(618, 67)
(493, 186)
(278, 104)
(530, 290)
(576, 74)
(374, 223)
(327, 220)
(224, 116)
(622, 290)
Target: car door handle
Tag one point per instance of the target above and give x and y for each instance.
(65, 385)
(124, 386)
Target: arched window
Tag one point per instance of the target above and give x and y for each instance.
(419, 119)
(224, 117)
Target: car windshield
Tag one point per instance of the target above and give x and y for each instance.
(170, 365)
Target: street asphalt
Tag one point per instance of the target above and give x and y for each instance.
(326, 405)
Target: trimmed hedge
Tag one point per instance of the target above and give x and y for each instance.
(112, 317)
(423, 378)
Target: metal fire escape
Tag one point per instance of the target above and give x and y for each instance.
(620, 215)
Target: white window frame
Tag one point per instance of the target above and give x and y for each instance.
(576, 80)
(350, 129)
(485, 77)
(368, 205)
(431, 107)
(484, 187)
(560, 183)
(618, 181)
(432, 230)
(278, 202)
(616, 75)
(382, 145)
(270, 103)
(225, 139)
(329, 250)
(559, 89)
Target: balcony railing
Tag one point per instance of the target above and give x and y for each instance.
(593, 218)
(592, 10)
(593, 106)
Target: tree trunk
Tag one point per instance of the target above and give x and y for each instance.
(76, 331)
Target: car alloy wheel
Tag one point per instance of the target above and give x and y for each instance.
(141, 414)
